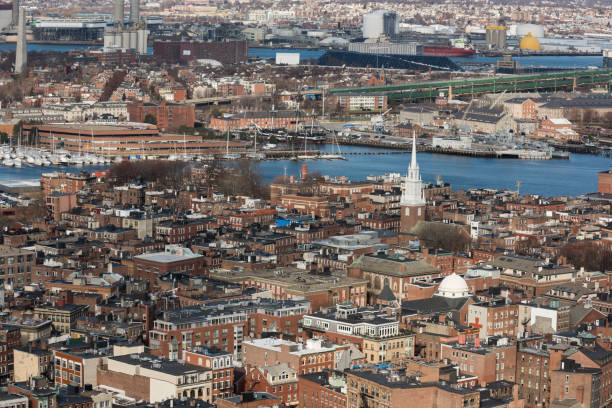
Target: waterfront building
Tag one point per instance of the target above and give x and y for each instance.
(119, 139)
(168, 115)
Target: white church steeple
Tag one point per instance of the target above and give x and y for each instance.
(412, 187)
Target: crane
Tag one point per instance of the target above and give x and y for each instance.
(378, 121)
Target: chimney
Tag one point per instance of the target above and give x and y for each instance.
(304, 171)
(118, 14)
(462, 339)
(21, 54)
(477, 342)
(15, 13)
(134, 11)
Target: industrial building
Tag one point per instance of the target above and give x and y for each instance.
(496, 37)
(130, 36)
(380, 23)
(6, 13)
(387, 48)
(181, 51)
(68, 30)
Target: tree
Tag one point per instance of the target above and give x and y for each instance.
(528, 247)
(590, 255)
(150, 118)
(165, 173)
(445, 236)
(113, 83)
(243, 179)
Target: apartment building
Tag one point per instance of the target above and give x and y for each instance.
(154, 379)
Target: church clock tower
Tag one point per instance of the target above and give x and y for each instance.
(412, 202)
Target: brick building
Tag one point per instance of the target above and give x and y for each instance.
(283, 119)
(574, 382)
(10, 338)
(534, 366)
(325, 389)
(16, 265)
(371, 389)
(172, 259)
(314, 355)
(279, 380)
(494, 318)
(75, 368)
(169, 116)
(221, 364)
(291, 283)
(489, 362)
(64, 182)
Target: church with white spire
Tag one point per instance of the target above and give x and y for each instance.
(413, 201)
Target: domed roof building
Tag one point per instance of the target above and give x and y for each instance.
(453, 286)
(529, 42)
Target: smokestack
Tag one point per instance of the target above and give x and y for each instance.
(15, 13)
(118, 14)
(21, 54)
(134, 11)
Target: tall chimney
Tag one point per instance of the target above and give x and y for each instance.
(134, 11)
(21, 54)
(15, 13)
(118, 14)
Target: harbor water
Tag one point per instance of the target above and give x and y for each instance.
(571, 177)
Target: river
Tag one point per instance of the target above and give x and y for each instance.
(571, 177)
(578, 62)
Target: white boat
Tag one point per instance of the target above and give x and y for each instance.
(8, 162)
(118, 159)
(269, 146)
(332, 155)
(29, 159)
(17, 162)
(38, 161)
(256, 156)
(55, 160)
(231, 156)
(46, 162)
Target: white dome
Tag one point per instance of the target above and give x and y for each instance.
(453, 286)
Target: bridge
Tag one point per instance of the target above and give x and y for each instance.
(510, 83)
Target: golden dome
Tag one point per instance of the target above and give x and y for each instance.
(529, 42)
